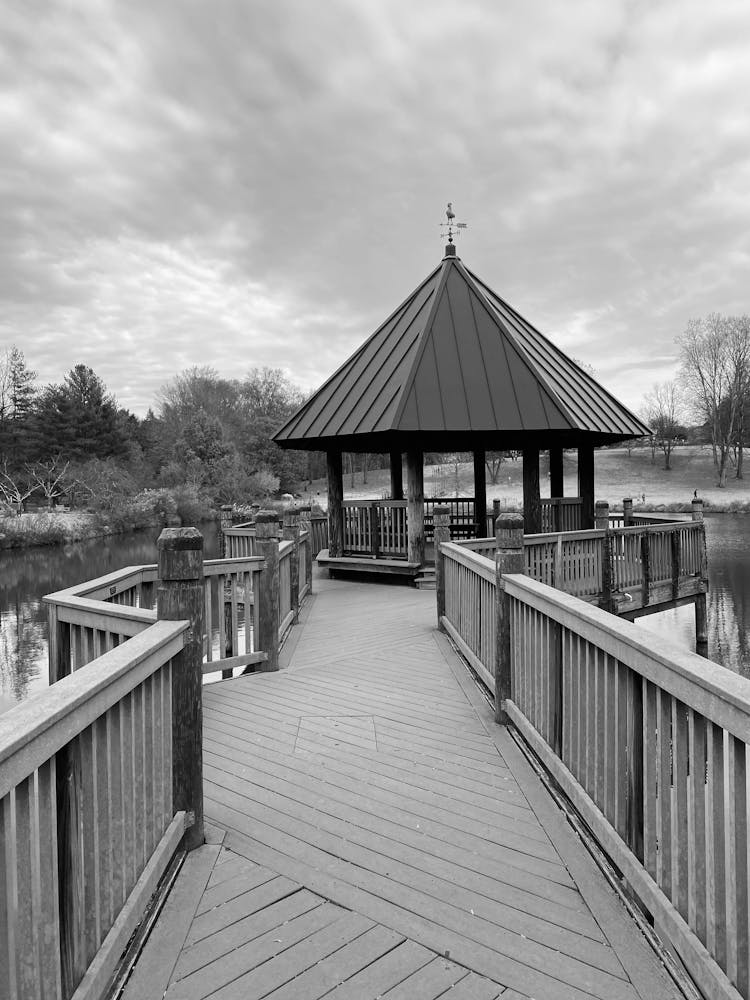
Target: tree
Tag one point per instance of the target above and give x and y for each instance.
(493, 461)
(17, 392)
(662, 409)
(715, 356)
(78, 419)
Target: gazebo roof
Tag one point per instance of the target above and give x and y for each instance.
(456, 366)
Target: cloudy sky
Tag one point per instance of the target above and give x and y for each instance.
(248, 183)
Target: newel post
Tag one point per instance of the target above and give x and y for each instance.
(180, 597)
(305, 523)
(290, 533)
(601, 523)
(225, 521)
(701, 605)
(509, 558)
(627, 511)
(267, 546)
(442, 522)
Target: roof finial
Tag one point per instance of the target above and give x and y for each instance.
(451, 227)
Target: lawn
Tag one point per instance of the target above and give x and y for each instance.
(618, 474)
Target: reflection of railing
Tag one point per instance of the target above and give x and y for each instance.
(648, 741)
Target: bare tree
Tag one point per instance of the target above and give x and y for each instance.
(715, 355)
(14, 489)
(662, 408)
(49, 476)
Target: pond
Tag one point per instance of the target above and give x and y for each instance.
(28, 574)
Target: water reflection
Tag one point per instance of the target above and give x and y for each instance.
(28, 574)
(728, 539)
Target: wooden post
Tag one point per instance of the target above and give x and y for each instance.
(480, 492)
(495, 514)
(58, 654)
(586, 485)
(442, 520)
(305, 518)
(701, 604)
(675, 551)
(397, 476)
(556, 487)
(335, 505)
(267, 544)
(601, 515)
(290, 533)
(509, 558)
(627, 511)
(532, 508)
(225, 521)
(646, 566)
(375, 528)
(601, 522)
(415, 505)
(180, 596)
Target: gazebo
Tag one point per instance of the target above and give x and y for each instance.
(455, 368)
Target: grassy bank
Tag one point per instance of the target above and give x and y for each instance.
(617, 475)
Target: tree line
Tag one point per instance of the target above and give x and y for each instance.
(72, 441)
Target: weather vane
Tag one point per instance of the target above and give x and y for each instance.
(450, 226)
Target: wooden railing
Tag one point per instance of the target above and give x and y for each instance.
(375, 528)
(623, 569)
(648, 741)
(650, 744)
(89, 619)
(95, 771)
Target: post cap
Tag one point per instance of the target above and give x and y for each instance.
(509, 531)
(266, 516)
(180, 538)
(601, 505)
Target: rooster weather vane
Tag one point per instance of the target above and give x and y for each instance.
(450, 226)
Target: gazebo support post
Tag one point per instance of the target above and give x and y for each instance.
(335, 504)
(586, 485)
(556, 488)
(415, 504)
(397, 476)
(532, 507)
(480, 492)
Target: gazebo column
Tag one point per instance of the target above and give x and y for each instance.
(586, 484)
(397, 476)
(415, 505)
(480, 492)
(532, 507)
(335, 504)
(556, 488)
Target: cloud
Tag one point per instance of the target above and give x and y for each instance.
(241, 184)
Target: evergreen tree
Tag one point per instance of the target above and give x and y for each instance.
(79, 419)
(17, 392)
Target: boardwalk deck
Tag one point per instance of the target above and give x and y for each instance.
(380, 836)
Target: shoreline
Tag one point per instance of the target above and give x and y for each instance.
(40, 529)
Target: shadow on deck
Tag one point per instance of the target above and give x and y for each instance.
(377, 835)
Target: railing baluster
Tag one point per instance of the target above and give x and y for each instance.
(48, 907)
(716, 914)
(680, 821)
(665, 792)
(103, 832)
(650, 830)
(697, 824)
(26, 926)
(737, 928)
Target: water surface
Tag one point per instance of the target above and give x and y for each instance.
(26, 575)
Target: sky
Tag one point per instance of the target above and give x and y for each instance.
(241, 184)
